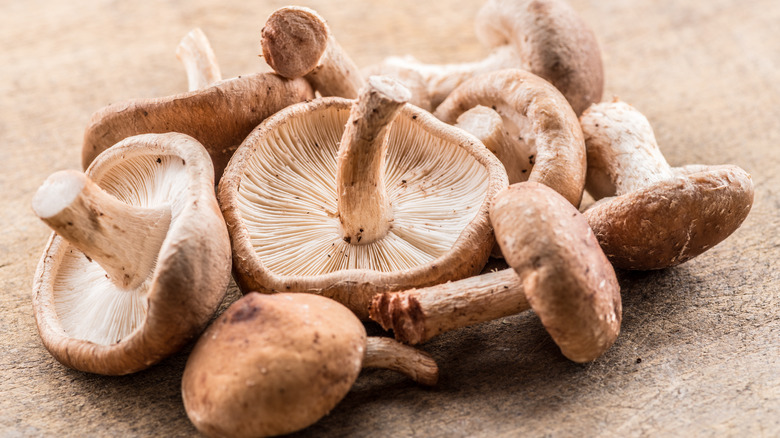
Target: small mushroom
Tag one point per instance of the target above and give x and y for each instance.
(539, 122)
(557, 268)
(545, 37)
(275, 364)
(346, 204)
(655, 216)
(297, 42)
(219, 116)
(140, 259)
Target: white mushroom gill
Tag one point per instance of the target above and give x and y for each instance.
(288, 201)
(89, 305)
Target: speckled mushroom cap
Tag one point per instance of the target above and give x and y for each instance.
(567, 279)
(655, 216)
(534, 113)
(219, 116)
(272, 364)
(89, 323)
(279, 198)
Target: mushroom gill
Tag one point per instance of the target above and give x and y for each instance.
(90, 306)
(288, 197)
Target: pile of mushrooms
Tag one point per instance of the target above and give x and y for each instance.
(346, 194)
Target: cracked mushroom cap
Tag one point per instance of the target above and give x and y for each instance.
(280, 199)
(651, 215)
(567, 279)
(115, 321)
(219, 116)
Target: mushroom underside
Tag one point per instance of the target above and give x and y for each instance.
(88, 304)
(288, 197)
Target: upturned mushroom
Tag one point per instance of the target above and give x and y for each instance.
(140, 257)
(297, 42)
(541, 129)
(344, 203)
(557, 269)
(545, 37)
(654, 216)
(275, 364)
(219, 116)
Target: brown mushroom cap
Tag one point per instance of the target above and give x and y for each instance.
(90, 324)
(219, 117)
(279, 197)
(536, 113)
(272, 364)
(674, 220)
(567, 279)
(655, 216)
(545, 37)
(552, 40)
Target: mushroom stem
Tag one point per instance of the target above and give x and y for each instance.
(487, 125)
(392, 355)
(623, 155)
(440, 80)
(364, 210)
(200, 63)
(122, 238)
(297, 43)
(417, 315)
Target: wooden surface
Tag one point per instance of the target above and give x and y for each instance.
(699, 347)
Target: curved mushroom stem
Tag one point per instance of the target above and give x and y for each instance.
(297, 43)
(200, 63)
(389, 354)
(122, 238)
(363, 207)
(417, 315)
(441, 79)
(623, 155)
(487, 125)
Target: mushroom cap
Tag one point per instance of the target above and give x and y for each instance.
(279, 197)
(535, 112)
(674, 220)
(567, 279)
(272, 364)
(552, 40)
(219, 116)
(89, 324)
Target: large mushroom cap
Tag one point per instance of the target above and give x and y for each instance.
(279, 198)
(673, 220)
(655, 216)
(219, 116)
(90, 323)
(272, 364)
(567, 279)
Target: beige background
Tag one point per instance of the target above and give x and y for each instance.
(700, 343)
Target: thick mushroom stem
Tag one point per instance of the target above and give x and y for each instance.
(364, 210)
(392, 355)
(487, 125)
(297, 42)
(200, 63)
(122, 238)
(623, 155)
(418, 315)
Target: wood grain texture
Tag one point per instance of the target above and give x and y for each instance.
(699, 350)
